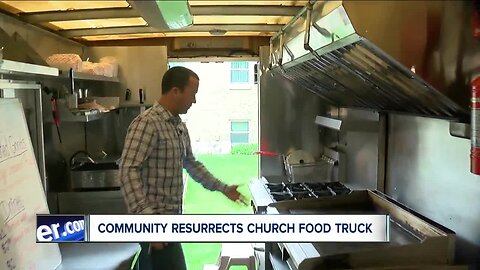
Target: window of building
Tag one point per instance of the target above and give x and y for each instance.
(239, 75)
(239, 132)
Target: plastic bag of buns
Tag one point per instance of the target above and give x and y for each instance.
(92, 68)
(111, 64)
(107, 69)
(65, 61)
(87, 67)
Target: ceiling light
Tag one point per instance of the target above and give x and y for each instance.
(217, 32)
(164, 14)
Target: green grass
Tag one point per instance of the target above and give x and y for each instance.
(231, 169)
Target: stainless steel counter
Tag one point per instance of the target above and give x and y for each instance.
(97, 256)
(412, 236)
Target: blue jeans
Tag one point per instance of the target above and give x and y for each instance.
(169, 258)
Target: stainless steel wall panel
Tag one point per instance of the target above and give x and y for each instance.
(102, 135)
(359, 164)
(428, 170)
(106, 134)
(287, 121)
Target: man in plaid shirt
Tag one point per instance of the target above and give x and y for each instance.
(157, 148)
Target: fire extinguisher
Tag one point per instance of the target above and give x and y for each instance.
(475, 127)
(476, 19)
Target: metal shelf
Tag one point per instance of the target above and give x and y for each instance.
(134, 104)
(349, 125)
(87, 77)
(19, 68)
(66, 115)
(84, 117)
(328, 122)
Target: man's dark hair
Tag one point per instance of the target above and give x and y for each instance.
(177, 77)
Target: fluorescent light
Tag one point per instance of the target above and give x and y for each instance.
(175, 13)
(164, 14)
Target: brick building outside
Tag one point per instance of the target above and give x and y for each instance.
(226, 112)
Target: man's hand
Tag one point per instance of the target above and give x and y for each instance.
(232, 193)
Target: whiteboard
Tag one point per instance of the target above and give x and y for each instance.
(21, 196)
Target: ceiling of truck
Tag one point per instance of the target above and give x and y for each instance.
(86, 21)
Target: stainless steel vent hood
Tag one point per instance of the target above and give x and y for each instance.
(413, 57)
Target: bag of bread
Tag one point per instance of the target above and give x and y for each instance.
(65, 61)
(111, 71)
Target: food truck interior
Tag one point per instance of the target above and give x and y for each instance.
(364, 107)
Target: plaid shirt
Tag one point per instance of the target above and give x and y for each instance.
(157, 147)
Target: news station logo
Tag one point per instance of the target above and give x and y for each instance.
(60, 228)
(213, 228)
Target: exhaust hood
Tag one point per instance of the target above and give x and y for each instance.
(414, 57)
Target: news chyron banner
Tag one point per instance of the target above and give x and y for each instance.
(213, 228)
(61, 228)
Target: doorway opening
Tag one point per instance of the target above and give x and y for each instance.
(224, 130)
